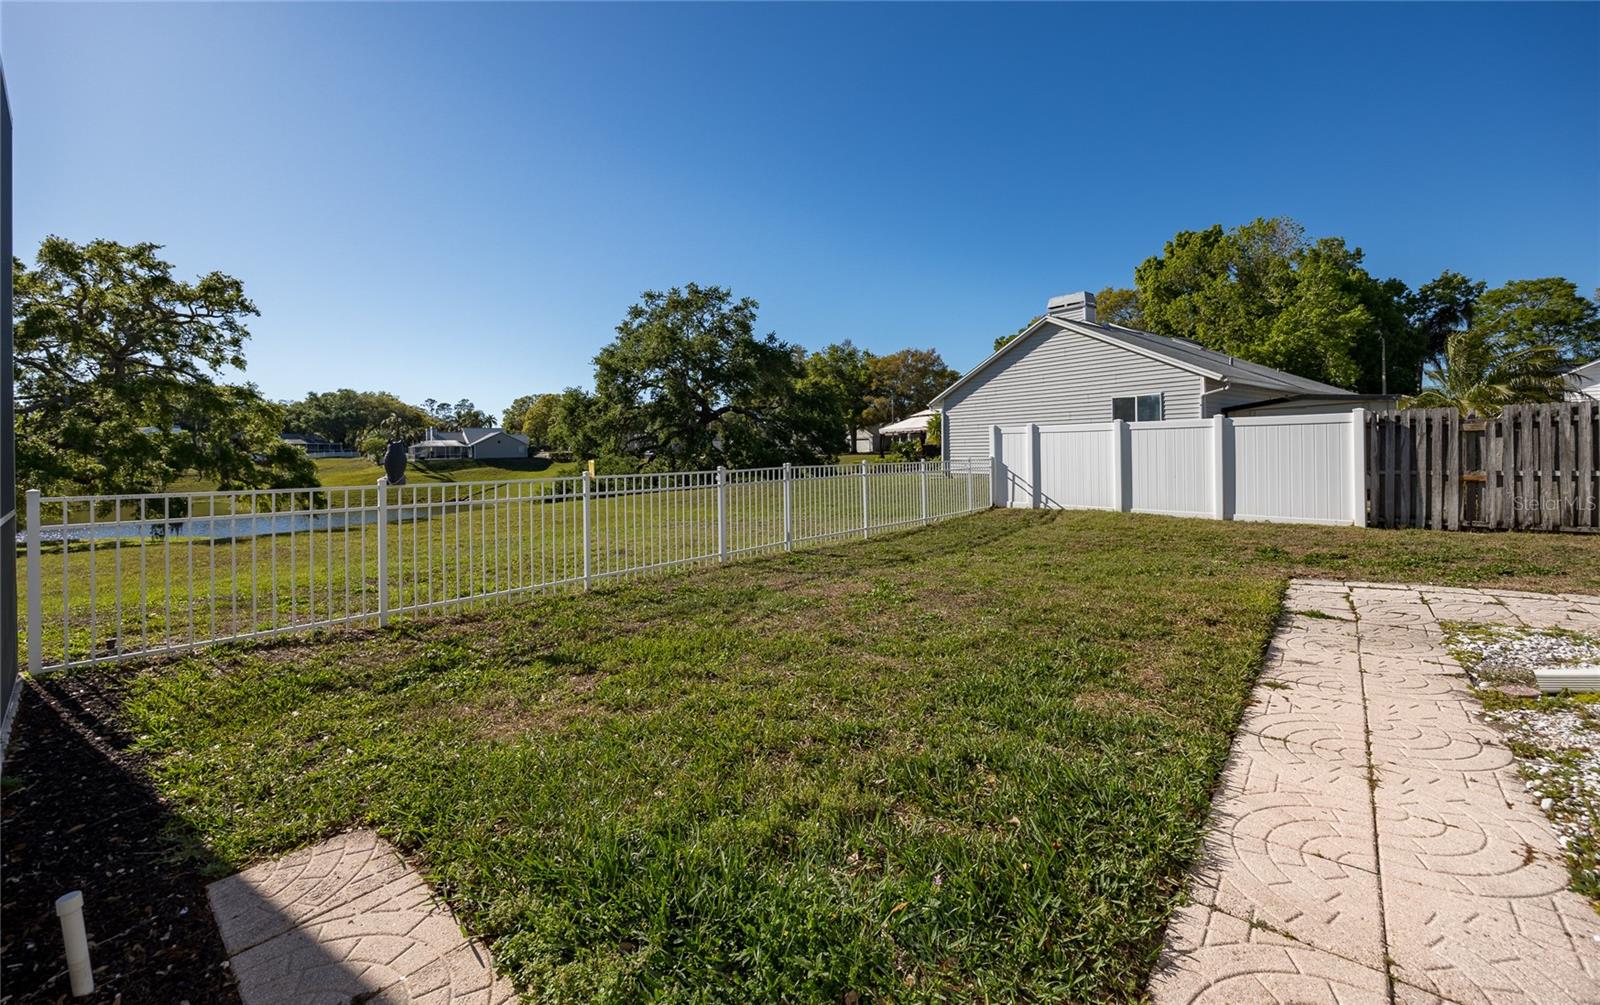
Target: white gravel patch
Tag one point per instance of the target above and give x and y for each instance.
(1556, 739)
(1565, 775)
(1510, 655)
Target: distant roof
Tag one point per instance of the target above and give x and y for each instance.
(465, 437)
(915, 423)
(475, 435)
(1180, 352)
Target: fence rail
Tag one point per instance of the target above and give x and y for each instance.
(114, 577)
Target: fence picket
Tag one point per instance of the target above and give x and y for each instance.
(1586, 467)
(1391, 471)
(1450, 430)
(1569, 459)
(1549, 503)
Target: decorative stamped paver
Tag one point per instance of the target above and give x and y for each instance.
(1371, 840)
(347, 921)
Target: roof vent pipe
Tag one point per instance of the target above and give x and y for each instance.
(1072, 306)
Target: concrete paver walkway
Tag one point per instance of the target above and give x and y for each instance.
(348, 921)
(1372, 840)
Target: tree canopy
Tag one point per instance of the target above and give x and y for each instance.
(461, 415)
(1117, 305)
(902, 383)
(343, 416)
(1441, 307)
(1265, 293)
(1526, 313)
(688, 379)
(582, 424)
(536, 418)
(516, 413)
(843, 371)
(117, 366)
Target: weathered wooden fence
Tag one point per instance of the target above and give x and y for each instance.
(1534, 467)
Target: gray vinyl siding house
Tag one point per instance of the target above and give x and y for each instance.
(1068, 368)
(477, 444)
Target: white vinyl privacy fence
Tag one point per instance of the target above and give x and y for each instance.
(113, 577)
(1292, 468)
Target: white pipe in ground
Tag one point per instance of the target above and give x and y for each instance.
(69, 908)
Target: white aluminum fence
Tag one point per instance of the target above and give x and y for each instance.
(113, 577)
(1292, 468)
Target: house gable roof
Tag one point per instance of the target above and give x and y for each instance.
(1178, 352)
(477, 436)
(465, 437)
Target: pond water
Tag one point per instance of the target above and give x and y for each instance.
(227, 528)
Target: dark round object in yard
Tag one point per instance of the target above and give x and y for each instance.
(394, 462)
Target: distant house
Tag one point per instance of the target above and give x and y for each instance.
(473, 444)
(1068, 367)
(867, 440)
(316, 446)
(1584, 382)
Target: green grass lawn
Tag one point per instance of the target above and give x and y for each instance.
(964, 763)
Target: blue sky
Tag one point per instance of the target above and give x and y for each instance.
(461, 201)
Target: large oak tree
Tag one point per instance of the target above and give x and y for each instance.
(689, 380)
(1266, 293)
(117, 375)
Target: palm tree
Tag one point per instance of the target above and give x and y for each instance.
(1478, 376)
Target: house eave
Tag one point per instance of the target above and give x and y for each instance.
(1352, 398)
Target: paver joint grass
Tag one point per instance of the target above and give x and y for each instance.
(964, 763)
